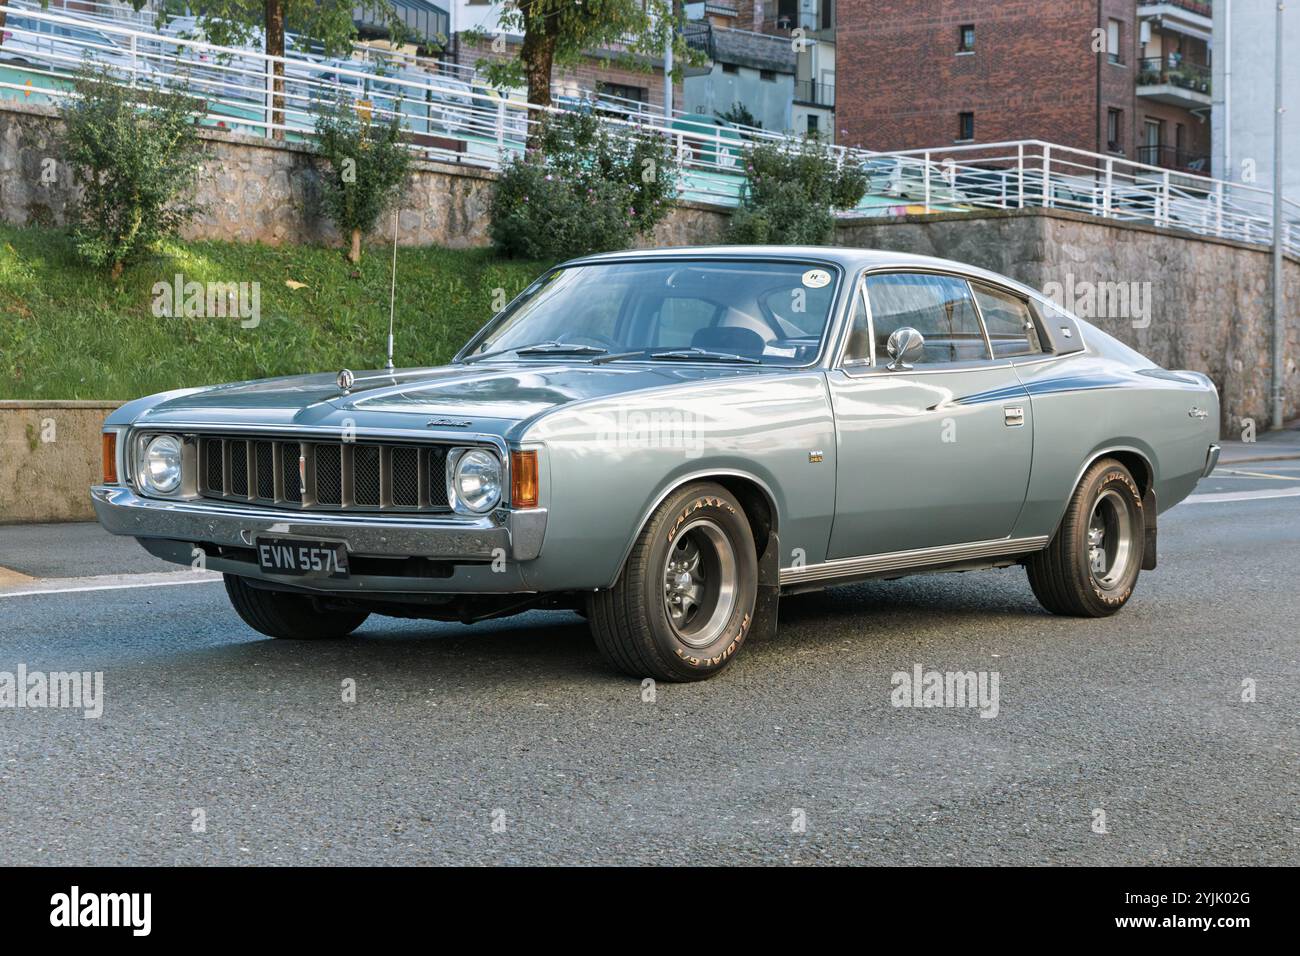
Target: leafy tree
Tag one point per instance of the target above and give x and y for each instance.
(591, 186)
(367, 167)
(327, 25)
(135, 159)
(790, 192)
(561, 32)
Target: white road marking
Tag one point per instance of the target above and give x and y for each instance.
(112, 582)
(1241, 496)
(1257, 474)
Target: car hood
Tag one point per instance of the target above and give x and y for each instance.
(480, 397)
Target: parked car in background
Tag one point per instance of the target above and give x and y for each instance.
(905, 178)
(31, 41)
(666, 442)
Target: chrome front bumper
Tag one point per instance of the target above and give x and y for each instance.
(516, 535)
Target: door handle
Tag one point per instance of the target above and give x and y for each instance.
(1013, 415)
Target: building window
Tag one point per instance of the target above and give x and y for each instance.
(813, 127)
(966, 38)
(730, 68)
(1114, 36)
(638, 94)
(1115, 131)
(965, 126)
(767, 76)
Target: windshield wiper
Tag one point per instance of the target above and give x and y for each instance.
(541, 348)
(560, 348)
(690, 354)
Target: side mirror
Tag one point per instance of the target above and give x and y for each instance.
(904, 346)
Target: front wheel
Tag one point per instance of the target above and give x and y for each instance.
(293, 616)
(685, 600)
(1091, 565)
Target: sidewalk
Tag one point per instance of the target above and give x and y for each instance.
(1268, 446)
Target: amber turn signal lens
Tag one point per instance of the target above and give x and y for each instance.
(109, 446)
(523, 479)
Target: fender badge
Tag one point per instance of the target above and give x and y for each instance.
(346, 380)
(446, 423)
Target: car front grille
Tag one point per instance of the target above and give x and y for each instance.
(324, 476)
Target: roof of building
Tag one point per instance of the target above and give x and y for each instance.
(759, 51)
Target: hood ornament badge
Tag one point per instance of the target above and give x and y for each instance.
(346, 380)
(446, 423)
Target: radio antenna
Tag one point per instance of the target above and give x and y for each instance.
(392, 296)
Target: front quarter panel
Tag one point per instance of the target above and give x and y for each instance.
(611, 461)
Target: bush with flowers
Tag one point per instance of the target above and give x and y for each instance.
(590, 186)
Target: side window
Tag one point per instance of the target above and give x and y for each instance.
(1010, 326)
(939, 307)
(858, 347)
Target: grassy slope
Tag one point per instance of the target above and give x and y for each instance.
(70, 332)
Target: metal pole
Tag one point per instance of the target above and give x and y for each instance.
(1279, 326)
(668, 64)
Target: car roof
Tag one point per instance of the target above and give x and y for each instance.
(851, 259)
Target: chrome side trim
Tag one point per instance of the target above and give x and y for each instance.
(919, 558)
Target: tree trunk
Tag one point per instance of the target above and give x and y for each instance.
(275, 47)
(354, 254)
(538, 55)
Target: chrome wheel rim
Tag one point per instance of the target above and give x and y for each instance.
(700, 576)
(1110, 539)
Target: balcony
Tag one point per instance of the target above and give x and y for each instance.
(1193, 18)
(812, 93)
(1169, 157)
(1174, 82)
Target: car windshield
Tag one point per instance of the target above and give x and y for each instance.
(752, 311)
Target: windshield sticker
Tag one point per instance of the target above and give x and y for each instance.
(816, 278)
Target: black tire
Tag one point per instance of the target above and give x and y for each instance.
(292, 616)
(638, 626)
(1083, 573)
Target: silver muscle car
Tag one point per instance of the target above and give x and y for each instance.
(666, 442)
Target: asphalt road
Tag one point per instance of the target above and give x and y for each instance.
(517, 722)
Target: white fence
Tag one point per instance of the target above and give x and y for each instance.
(448, 113)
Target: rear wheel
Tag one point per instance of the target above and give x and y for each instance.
(293, 616)
(1091, 565)
(685, 600)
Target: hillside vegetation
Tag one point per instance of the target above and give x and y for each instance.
(70, 332)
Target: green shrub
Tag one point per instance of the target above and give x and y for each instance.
(135, 157)
(367, 166)
(790, 193)
(589, 188)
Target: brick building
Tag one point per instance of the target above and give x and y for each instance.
(928, 73)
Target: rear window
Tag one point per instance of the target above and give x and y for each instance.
(1010, 326)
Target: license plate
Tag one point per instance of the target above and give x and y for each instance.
(314, 559)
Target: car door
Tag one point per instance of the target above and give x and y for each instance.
(937, 453)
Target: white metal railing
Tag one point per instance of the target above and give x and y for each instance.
(449, 114)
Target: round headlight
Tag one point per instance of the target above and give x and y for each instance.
(162, 464)
(476, 481)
